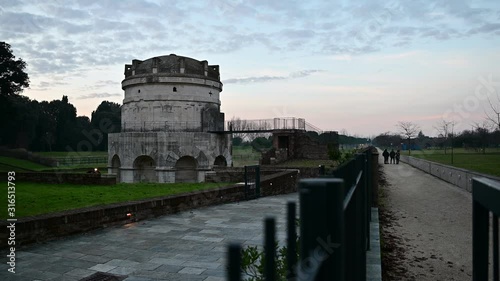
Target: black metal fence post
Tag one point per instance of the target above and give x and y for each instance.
(257, 181)
(321, 229)
(480, 241)
(361, 220)
(374, 176)
(270, 250)
(369, 178)
(366, 197)
(247, 188)
(291, 252)
(485, 198)
(234, 262)
(322, 170)
(496, 262)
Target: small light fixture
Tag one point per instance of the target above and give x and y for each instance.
(129, 215)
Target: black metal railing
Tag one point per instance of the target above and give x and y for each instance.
(485, 200)
(284, 123)
(82, 160)
(335, 213)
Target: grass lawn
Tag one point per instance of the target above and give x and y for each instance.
(488, 163)
(39, 198)
(6, 168)
(245, 155)
(22, 164)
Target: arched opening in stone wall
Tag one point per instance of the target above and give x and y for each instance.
(115, 166)
(144, 169)
(185, 169)
(220, 161)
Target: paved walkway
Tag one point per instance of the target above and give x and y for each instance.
(434, 220)
(187, 246)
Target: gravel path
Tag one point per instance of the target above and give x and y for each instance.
(432, 221)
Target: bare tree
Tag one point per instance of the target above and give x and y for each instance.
(445, 128)
(482, 130)
(248, 130)
(494, 115)
(408, 130)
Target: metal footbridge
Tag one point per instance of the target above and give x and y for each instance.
(268, 126)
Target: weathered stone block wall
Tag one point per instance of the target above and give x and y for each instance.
(280, 183)
(307, 148)
(236, 174)
(300, 146)
(50, 226)
(165, 149)
(305, 172)
(456, 176)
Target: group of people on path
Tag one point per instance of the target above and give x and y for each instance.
(394, 155)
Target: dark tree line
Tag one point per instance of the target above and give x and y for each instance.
(479, 138)
(47, 126)
(54, 125)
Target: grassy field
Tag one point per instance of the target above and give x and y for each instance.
(245, 155)
(38, 198)
(10, 163)
(20, 165)
(487, 163)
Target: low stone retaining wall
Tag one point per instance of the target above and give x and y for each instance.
(456, 176)
(235, 174)
(306, 172)
(279, 183)
(50, 226)
(72, 178)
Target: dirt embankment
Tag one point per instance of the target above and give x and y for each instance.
(392, 245)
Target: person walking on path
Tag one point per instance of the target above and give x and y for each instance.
(398, 155)
(386, 156)
(392, 155)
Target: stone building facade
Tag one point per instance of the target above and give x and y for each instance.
(298, 144)
(170, 109)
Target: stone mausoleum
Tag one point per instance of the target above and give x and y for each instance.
(171, 106)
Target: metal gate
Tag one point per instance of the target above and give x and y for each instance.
(252, 181)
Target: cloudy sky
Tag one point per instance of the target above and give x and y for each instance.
(355, 66)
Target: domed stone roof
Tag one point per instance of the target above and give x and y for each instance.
(172, 65)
